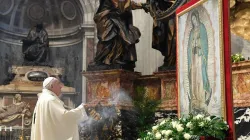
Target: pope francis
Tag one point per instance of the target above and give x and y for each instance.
(51, 121)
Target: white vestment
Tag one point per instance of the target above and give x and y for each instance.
(51, 121)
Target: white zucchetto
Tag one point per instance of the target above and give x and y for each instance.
(47, 81)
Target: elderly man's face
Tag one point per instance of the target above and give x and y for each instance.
(56, 87)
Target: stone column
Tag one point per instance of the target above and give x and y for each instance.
(88, 52)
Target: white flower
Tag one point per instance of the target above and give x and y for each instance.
(187, 136)
(242, 138)
(174, 123)
(163, 132)
(201, 124)
(179, 128)
(138, 139)
(208, 118)
(154, 128)
(199, 116)
(189, 125)
(163, 122)
(158, 136)
(168, 132)
(171, 139)
(149, 133)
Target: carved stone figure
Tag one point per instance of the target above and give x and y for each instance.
(117, 35)
(36, 46)
(15, 111)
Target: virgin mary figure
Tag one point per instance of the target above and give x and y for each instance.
(197, 52)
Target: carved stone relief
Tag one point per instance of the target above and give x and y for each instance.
(15, 111)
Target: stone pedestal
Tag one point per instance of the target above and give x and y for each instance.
(152, 85)
(113, 85)
(109, 99)
(241, 84)
(241, 98)
(161, 86)
(168, 89)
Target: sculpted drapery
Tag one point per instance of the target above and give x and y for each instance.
(116, 33)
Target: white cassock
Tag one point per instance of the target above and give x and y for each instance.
(51, 121)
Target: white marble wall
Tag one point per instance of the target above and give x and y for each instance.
(240, 45)
(148, 59)
(242, 121)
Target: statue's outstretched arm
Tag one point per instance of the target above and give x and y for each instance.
(136, 5)
(144, 6)
(126, 4)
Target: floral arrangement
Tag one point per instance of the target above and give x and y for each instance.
(237, 58)
(190, 127)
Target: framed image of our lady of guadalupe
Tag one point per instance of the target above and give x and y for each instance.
(204, 59)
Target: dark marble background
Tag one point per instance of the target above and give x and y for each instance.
(242, 124)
